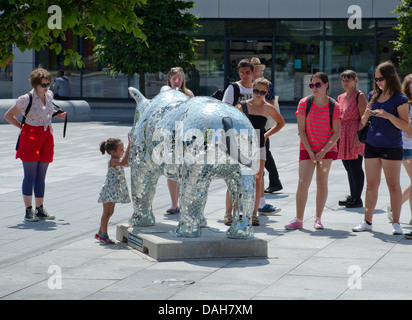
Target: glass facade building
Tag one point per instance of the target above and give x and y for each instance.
(292, 49)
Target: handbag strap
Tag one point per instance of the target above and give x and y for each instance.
(244, 108)
(65, 118)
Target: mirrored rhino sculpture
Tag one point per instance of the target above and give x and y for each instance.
(192, 141)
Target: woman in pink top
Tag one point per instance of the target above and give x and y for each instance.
(319, 131)
(36, 146)
(351, 150)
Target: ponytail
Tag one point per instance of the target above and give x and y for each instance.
(109, 145)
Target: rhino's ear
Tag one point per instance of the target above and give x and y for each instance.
(165, 88)
(136, 94)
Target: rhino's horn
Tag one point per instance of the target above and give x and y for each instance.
(137, 95)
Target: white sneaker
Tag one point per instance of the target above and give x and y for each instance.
(363, 226)
(396, 228)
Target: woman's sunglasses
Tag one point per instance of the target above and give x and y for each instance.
(176, 69)
(313, 85)
(262, 93)
(379, 79)
(45, 85)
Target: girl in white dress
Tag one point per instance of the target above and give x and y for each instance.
(114, 189)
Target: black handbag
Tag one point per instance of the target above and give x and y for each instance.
(362, 133)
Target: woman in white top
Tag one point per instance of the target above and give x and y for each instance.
(36, 144)
(407, 150)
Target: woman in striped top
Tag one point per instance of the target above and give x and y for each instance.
(319, 130)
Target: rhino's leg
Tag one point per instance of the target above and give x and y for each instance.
(143, 185)
(242, 192)
(193, 188)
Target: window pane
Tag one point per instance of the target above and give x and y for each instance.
(250, 28)
(207, 76)
(298, 53)
(50, 61)
(349, 49)
(386, 30)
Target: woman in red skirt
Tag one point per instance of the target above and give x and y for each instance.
(351, 151)
(36, 145)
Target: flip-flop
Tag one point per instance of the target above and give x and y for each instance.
(173, 211)
(227, 220)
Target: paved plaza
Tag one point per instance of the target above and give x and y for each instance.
(60, 259)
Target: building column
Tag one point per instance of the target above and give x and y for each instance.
(23, 65)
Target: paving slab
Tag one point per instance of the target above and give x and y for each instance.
(305, 264)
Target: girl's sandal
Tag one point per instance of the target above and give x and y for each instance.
(255, 221)
(227, 220)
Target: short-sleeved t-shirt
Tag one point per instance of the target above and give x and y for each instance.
(39, 114)
(245, 94)
(318, 129)
(382, 133)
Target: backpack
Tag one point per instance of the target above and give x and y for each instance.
(331, 107)
(24, 118)
(220, 93)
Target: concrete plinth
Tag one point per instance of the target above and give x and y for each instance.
(159, 243)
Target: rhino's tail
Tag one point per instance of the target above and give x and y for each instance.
(231, 146)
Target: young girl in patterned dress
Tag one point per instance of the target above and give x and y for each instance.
(114, 189)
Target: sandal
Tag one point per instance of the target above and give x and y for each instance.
(173, 211)
(255, 221)
(227, 220)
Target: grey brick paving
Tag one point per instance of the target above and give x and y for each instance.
(306, 264)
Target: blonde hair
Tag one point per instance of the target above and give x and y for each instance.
(174, 71)
(37, 75)
(261, 81)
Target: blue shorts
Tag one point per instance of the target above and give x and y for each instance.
(407, 154)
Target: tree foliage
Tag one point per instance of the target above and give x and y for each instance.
(404, 42)
(27, 23)
(168, 28)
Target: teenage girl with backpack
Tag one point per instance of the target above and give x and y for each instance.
(318, 133)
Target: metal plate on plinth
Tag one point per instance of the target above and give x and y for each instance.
(159, 243)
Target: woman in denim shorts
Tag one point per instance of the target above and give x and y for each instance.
(407, 151)
(388, 110)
